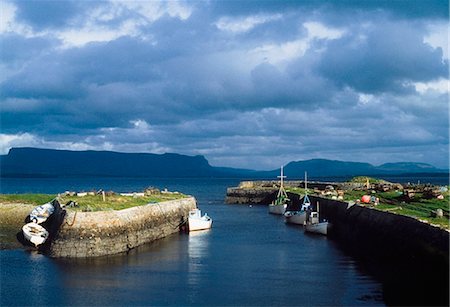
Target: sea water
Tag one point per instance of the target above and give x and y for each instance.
(248, 258)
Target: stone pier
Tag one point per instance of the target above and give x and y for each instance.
(92, 234)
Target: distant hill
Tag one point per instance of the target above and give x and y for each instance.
(407, 167)
(322, 167)
(330, 168)
(34, 162)
(47, 162)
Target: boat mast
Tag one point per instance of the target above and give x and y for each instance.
(306, 184)
(306, 198)
(281, 192)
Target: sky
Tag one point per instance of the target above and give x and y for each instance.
(247, 84)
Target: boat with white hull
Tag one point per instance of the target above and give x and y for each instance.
(299, 216)
(280, 204)
(277, 209)
(35, 233)
(41, 213)
(319, 228)
(314, 225)
(295, 217)
(198, 222)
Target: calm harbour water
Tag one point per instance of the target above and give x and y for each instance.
(248, 258)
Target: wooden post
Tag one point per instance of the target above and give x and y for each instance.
(103, 195)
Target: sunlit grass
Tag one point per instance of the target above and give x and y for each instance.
(91, 202)
(32, 199)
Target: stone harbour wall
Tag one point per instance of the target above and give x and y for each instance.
(385, 232)
(93, 234)
(250, 195)
(263, 192)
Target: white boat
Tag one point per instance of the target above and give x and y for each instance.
(41, 213)
(277, 209)
(280, 204)
(198, 222)
(299, 216)
(314, 225)
(35, 233)
(295, 217)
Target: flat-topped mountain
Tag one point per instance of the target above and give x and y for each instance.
(34, 162)
(49, 162)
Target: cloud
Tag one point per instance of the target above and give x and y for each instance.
(246, 85)
(377, 58)
(244, 24)
(46, 14)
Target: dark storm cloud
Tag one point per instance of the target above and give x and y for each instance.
(245, 83)
(20, 49)
(382, 58)
(47, 14)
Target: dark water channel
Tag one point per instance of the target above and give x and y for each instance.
(248, 258)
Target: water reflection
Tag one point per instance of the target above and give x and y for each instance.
(197, 252)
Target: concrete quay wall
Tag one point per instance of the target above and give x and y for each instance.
(93, 234)
(263, 192)
(275, 184)
(385, 232)
(250, 195)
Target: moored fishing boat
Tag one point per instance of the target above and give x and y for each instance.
(41, 213)
(314, 225)
(198, 222)
(299, 216)
(280, 204)
(35, 233)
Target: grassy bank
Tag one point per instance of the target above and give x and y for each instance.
(89, 202)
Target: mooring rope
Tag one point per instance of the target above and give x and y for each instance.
(168, 220)
(73, 221)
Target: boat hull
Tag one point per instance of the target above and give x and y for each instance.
(295, 217)
(199, 224)
(41, 213)
(277, 209)
(319, 228)
(35, 233)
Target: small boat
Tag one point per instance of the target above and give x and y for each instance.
(41, 213)
(35, 233)
(299, 216)
(280, 204)
(198, 222)
(314, 225)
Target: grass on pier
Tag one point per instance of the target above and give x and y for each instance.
(91, 202)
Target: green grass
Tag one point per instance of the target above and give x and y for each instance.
(299, 191)
(32, 199)
(117, 202)
(363, 179)
(91, 202)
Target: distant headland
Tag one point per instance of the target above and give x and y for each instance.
(36, 162)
